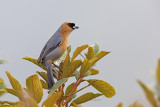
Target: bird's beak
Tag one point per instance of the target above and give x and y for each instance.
(75, 27)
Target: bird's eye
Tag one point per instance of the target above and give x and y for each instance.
(71, 25)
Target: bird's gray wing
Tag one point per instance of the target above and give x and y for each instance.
(52, 43)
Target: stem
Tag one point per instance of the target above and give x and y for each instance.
(60, 88)
(72, 90)
(82, 56)
(82, 88)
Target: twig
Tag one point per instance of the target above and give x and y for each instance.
(73, 89)
(82, 56)
(82, 88)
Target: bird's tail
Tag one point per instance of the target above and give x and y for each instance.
(49, 75)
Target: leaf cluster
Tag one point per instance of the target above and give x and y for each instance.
(60, 94)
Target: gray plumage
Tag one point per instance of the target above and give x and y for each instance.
(51, 52)
(52, 43)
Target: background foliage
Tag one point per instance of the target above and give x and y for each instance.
(60, 94)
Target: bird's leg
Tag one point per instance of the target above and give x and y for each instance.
(56, 66)
(59, 69)
(49, 74)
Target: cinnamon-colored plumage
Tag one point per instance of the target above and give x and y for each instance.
(55, 48)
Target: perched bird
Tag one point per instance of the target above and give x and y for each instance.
(55, 48)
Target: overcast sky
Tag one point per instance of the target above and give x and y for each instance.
(128, 28)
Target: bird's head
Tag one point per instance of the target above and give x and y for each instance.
(68, 27)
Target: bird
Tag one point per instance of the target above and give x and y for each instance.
(55, 48)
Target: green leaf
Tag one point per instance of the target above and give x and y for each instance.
(85, 66)
(77, 74)
(94, 71)
(69, 49)
(75, 65)
(90, 53)
(15, 93)
(51, 100)
(15, 84)
(66, 65)
(43, 75)
(95, 48)
(34, 87)
(149, 94)
(69, 68)
(11, 104)
(44, 84)
(72, 68)
(79, 50)
(30, 102)
(57, 85)
(88, 73)
(68, 89)
(2, 91)
(98, 56)
(103, 87)
(86, 97)
(74, 104)
(158, 72)
(35, 62)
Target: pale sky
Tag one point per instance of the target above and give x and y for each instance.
(128, 28)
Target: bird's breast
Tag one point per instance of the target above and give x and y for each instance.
(54, 55)
(64, 44)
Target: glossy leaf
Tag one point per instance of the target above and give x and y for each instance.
(95, 48)
(90, 53)
(34, 87)
(77, 74)
(57, 85)
(149, 94)
(88, 73)
(51, 100)
(86, 97)
(66, 65)
(158, 72)
(8, 102)
(43, 75)
(98, 56)
(15, 93)
(75, 65)
(94, 71)
(11, 104)
(103, 87)
(72, 68)
(74, 104)
(44, 84)
(30, 102)
(79, 50)
(2, 92)
(15, 84)
(69, 49)
(85, 66)
(68, 89)
(35, 62)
